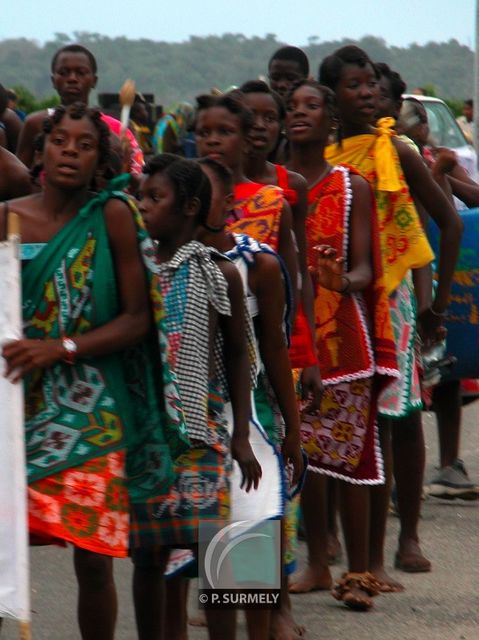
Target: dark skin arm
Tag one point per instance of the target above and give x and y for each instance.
(300, 211)
(466, 191)
(422, 278)
(310, 376)
(31, 127)
(13, 125)
(266, 283)
(424, 188)
(14, 177)
(127, 329)
(238, 376)
(287, 250)
(462, 186)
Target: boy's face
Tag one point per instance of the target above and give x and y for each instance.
(283, 74)
(219, 136)
(158, 207)
(73, 77)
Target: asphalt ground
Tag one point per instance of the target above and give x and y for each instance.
(441, 605)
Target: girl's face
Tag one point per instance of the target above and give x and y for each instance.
(265, 131)
(157, 205)
(70, 156)
(219, 136)
(357, 93)
(307, 118)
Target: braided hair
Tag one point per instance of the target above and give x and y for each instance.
(397, 84)
(259, 86)
(331, 67)
(188, 181)
(77, 111)
(233, 101)
(221, 171)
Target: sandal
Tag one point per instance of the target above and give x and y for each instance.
(362, 581)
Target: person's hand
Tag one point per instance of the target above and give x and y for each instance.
(312, 386)
(430, 327)
(292, 454)
(250, 468)
(23, 356)
(446, 160)
(329, 272)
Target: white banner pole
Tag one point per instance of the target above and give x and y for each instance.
(14, 563)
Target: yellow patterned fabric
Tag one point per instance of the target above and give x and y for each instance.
(404, 244)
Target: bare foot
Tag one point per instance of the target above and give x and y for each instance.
(311, 579)
(284, 627)
(386, 583)
(334, 549)
(410, 558)
(198, 619)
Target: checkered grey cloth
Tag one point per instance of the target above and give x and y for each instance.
(192, 281)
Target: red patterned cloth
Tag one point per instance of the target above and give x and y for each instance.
(354, 335)
(354, 343)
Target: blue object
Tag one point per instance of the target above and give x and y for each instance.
(462, 321)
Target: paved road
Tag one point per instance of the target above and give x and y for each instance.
(442, 605)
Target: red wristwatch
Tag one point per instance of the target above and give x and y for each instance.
(70, 348)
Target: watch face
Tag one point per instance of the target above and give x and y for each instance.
(69, 345)
(70, 350)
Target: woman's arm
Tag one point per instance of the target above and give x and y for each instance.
(424, 188)
(267, 284)
(287, 250)
(238, 376)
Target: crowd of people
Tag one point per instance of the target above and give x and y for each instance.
(224, 307)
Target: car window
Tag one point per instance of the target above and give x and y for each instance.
(445, 132)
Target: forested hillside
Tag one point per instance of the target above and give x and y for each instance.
(174, 71)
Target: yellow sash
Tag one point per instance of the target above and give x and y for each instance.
(404, 244)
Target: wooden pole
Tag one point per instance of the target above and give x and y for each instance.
(13, 226)
(25, 630)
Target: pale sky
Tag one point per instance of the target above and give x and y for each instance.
(399, 22)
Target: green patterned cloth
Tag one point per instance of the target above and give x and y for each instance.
(125, 400)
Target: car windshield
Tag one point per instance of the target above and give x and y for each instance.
(445, 132)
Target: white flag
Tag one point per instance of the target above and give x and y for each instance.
(14, 569)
